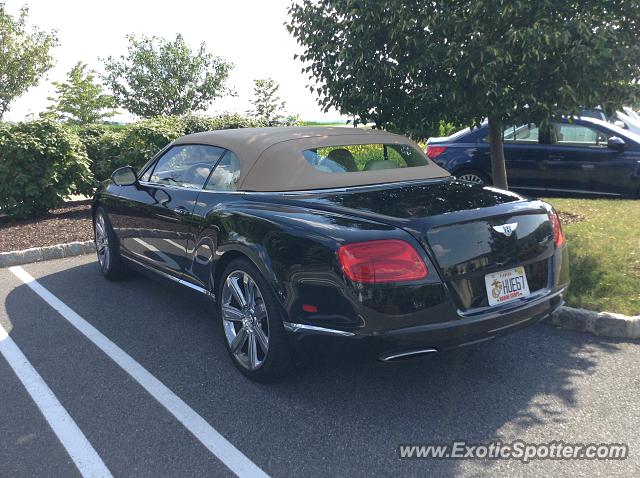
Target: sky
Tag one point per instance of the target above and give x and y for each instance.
(250, 33)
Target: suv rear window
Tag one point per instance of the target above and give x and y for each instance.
(364, 157)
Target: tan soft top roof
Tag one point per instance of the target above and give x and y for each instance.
(271, 158)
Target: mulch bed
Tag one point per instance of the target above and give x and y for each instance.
(70, 223)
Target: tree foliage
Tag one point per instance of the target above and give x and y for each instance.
(161, 77)
(406, 64)
(267, 104)
(80, 99)
(24, 56)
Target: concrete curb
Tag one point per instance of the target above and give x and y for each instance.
(606, 324)
(37, 254)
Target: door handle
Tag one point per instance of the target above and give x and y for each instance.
(553, 157)
(182, 211)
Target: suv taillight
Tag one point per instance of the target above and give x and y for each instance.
(558, 233)
(434, 151)
(389, 260)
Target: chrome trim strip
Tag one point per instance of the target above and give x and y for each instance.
(197, 288)
(523, 302)
(170, 186)
(408, 353)
(476, 341)
(580, 191)
(173, 278)
(511, 325)
(292, 327)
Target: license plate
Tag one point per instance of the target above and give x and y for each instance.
(506, 285)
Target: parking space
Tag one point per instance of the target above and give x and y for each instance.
(342, 415)
(25, 434)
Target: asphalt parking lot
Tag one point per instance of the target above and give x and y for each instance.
(145, 388)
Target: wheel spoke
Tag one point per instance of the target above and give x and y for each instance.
(249, 288)
(263, 340)
(229, 312)
(239, 340)
(101, 240)
(236, 290)
(253, 352)
(260, 311)
(472, 178)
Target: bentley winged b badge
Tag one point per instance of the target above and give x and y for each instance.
(506, 229)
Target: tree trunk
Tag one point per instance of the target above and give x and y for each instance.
(498, 167)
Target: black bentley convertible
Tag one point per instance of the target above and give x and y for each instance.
(343, 232)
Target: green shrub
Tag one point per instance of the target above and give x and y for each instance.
(197, 124)
(41, 162)
(104, 145)
(145, 138)
(110, 148)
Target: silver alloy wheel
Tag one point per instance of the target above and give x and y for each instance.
(102, 242)
(245, 321)
(472, 178)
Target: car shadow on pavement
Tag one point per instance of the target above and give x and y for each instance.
(342, 406)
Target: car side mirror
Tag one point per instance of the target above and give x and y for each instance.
(124, 176)
(617, 143)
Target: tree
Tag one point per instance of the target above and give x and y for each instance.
(160, 77)
(407, 64)
(267, 104)
(80, 99)
(24, 56)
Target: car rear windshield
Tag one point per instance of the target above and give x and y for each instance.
(364, 157)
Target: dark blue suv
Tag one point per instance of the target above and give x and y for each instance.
(585, 156)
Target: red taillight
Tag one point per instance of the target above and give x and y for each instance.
(434, 151)
(309, 308)
(381, 261)
(558, 233)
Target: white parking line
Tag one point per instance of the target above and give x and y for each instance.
(174, 244)
(78, 447)
(228, 454)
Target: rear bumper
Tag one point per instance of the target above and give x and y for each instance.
(470, 330)
(423, 316)
(457, 332)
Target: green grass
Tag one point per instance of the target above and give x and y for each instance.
(604, 253)
(323, 123)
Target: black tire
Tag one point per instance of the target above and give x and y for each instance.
(107, 250)
(278, 360)
(468, 174)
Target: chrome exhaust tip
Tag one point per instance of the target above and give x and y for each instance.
(405, 355)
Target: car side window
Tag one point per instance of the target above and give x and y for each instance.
(526, 133)
(226, 174)
(564, 134)
(186, 165)
(146, 176)
(363, 157)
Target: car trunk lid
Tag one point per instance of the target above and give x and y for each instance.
(459, 224)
